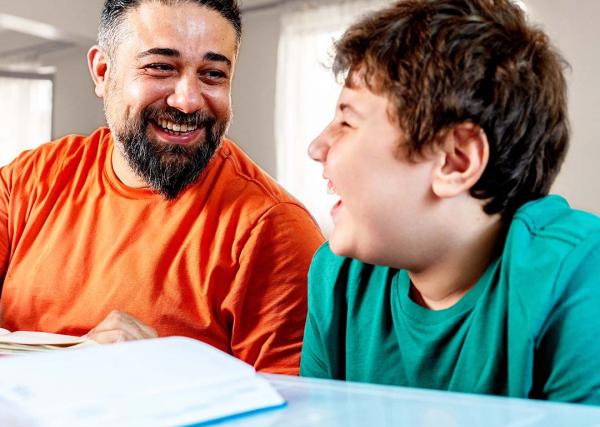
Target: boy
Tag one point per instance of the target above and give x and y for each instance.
(448, 134)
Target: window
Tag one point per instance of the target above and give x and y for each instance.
(26, 118)
(307, 93)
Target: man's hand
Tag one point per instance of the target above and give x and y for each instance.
(119, 326)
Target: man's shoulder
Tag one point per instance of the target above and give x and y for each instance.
(243, 169)
(240, 190)
(56, 152)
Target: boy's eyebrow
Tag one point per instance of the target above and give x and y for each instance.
(344, 106)
(174, 53)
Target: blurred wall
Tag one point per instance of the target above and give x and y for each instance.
(253, 92)
(76, 108)
(571, 25)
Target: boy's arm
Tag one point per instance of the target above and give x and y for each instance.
(266, 308)
(567, 361)
(313, 351)
(320, 349)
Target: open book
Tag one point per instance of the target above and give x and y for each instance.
(26, 341)
(171, 381)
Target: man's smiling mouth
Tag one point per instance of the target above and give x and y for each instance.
(175, 128)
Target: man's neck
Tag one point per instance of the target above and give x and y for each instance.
(471, 250)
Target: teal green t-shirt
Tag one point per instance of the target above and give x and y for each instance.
(530, 327)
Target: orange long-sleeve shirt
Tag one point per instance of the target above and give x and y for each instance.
(225, 262)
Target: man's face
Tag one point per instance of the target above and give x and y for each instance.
(167, 95)
(383, 196)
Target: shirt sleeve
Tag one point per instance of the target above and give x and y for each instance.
(268, 300)
(567, 360)
(321, 355)
(4, 238)
(312, 362)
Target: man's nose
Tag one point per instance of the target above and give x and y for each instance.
(318, 148)
(187, 96)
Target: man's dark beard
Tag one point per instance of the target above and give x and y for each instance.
(169, 168)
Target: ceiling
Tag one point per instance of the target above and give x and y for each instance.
(31, 30)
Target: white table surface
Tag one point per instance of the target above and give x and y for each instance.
(314, 402)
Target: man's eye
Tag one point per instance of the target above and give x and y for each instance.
(159, 67)
(214, 74)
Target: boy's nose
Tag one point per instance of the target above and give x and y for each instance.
(318, 148)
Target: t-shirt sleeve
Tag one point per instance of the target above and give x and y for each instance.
(567, 361)
(320, 348)
(268, 300)
(312, 362)
(4, 238)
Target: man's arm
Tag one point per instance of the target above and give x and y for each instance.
(119, 326)
(4, 239)
(266, 308)
(567, 362)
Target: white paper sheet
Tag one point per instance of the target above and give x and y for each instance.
(161, 382)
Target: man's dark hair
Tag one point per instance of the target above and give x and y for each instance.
(445, 62)
(115, 11)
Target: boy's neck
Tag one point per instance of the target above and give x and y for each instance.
(455, 271)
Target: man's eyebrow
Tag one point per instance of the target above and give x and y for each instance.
(214, 56)
(162, 51)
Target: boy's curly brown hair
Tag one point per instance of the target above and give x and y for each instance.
(445, 62)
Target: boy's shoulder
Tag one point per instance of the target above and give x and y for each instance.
(548, 232)
(551, 219)
(551, 251)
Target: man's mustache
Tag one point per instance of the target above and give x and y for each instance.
(201, 119)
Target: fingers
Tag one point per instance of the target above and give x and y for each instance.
(119, 326)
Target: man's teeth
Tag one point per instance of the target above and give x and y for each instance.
(175, 127)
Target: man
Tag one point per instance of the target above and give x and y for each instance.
(158, 226)
(466, 276)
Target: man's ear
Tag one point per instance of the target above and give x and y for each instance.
(98, 65)
(461, 160)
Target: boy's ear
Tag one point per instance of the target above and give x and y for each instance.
(461, 160)
(98, 65)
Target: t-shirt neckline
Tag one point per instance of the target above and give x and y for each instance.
(116, 184)
(425, 315)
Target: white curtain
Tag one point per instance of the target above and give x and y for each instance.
(307, 93)
(25, 115)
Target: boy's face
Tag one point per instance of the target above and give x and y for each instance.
(383, 196)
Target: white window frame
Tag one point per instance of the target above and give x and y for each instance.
(11, 142)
